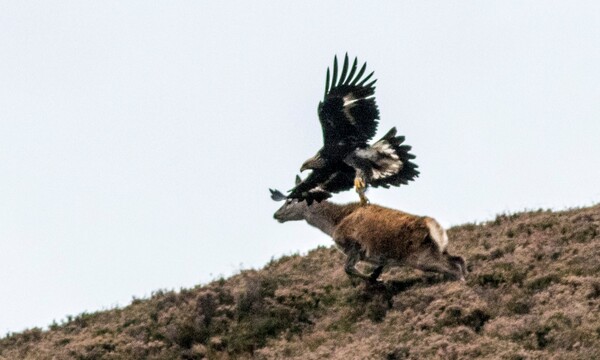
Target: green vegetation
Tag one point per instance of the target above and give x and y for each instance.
(533, 293)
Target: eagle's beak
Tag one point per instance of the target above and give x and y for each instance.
(315, 162)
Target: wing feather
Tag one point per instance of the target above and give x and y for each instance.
(335, 70)
(327, 83)
(352, 70)
(319, 184)
(366, 79)
(360, 73)
(344, 70)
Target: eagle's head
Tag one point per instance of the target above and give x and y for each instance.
(315, 162)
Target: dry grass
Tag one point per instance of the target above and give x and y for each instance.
(533, 293)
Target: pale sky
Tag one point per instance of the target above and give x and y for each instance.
(138, 139)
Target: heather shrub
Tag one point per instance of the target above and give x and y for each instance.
(541, 282)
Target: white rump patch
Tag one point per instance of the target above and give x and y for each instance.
(437, 233)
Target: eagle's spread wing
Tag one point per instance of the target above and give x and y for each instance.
(407, 170)
(319, 184)
(348, 112)
(386, 162)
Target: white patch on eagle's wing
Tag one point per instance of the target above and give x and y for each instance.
(349, 101)
(388, 162)
(384, 147)
(387, 168)
(367, 153)
(316, 189)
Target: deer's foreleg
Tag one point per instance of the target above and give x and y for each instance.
(353, 256)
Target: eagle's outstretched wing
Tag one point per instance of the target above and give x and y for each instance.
(319, 184)
(348, 112)
(399, 153)
(386, 162)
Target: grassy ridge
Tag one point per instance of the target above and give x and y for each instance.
(533, 293)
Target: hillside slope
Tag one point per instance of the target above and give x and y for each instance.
(533, 293)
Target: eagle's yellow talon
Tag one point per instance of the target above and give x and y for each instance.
(359, 185)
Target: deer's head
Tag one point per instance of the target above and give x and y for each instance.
(291, 210)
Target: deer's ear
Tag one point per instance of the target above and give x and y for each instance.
(277, 195)
(298, 180)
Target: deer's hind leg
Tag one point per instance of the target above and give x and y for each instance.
(459, 262)
(432, 260)
(379, 263)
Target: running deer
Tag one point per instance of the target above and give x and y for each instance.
(377, 235)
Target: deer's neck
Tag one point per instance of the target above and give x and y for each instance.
(326, 216)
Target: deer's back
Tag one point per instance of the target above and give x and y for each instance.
(383, 231)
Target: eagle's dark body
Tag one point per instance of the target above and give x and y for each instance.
(349, 118)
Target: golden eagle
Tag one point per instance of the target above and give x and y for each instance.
(349, 118)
